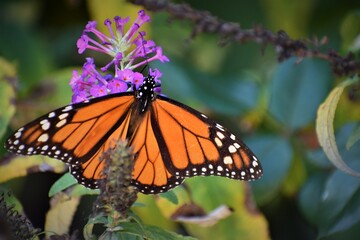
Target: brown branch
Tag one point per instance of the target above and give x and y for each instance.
(285, 47)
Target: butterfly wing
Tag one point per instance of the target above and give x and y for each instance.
(77, 134)
(192, 144)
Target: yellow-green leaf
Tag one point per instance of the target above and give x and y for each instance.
(245, 222)
(7, 94)
(325, 128)
(61, 213)
(23, 165)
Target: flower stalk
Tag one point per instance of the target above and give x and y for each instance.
(116, 192)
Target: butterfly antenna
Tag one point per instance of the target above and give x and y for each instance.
(142, 70)
(144, 51)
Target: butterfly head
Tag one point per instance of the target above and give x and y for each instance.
(145, 94)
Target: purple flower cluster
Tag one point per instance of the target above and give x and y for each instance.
(128, 50)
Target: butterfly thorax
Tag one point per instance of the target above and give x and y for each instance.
(145, 94)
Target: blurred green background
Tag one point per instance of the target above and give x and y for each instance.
(271, 105)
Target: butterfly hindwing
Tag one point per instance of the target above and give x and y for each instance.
(151, 173)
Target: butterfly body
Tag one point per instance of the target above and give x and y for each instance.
(170, 140)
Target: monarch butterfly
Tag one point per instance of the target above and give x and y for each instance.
(170, 140)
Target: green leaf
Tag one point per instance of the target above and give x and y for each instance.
(339, 207)
(350, 29)
(325, 128)
(170, 196)
(152, 211)
(230, 94)
(354, 137)
(10, 200)
(161, 234)
(59, 80)
(131, 230)
(179, 85)
(66, 181)
(62, 183)
(136, 230)
(310, 197)
(332, 204)
(227, 94)
(80, 190)
(7, 94)
(297, 89)
(331, 201)
(29, 49)
(345, 229)
(275, 168)
(89, 226)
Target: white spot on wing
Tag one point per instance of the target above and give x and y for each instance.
(43, 138)
(67, 108)
(18, 134)
(51, 115)
(61, 123)
(228, 160)
(220, 135)
(45, 126)
(218, 142)
(63, 116)
(232, 149)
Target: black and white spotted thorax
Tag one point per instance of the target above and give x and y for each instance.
(145, 94)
